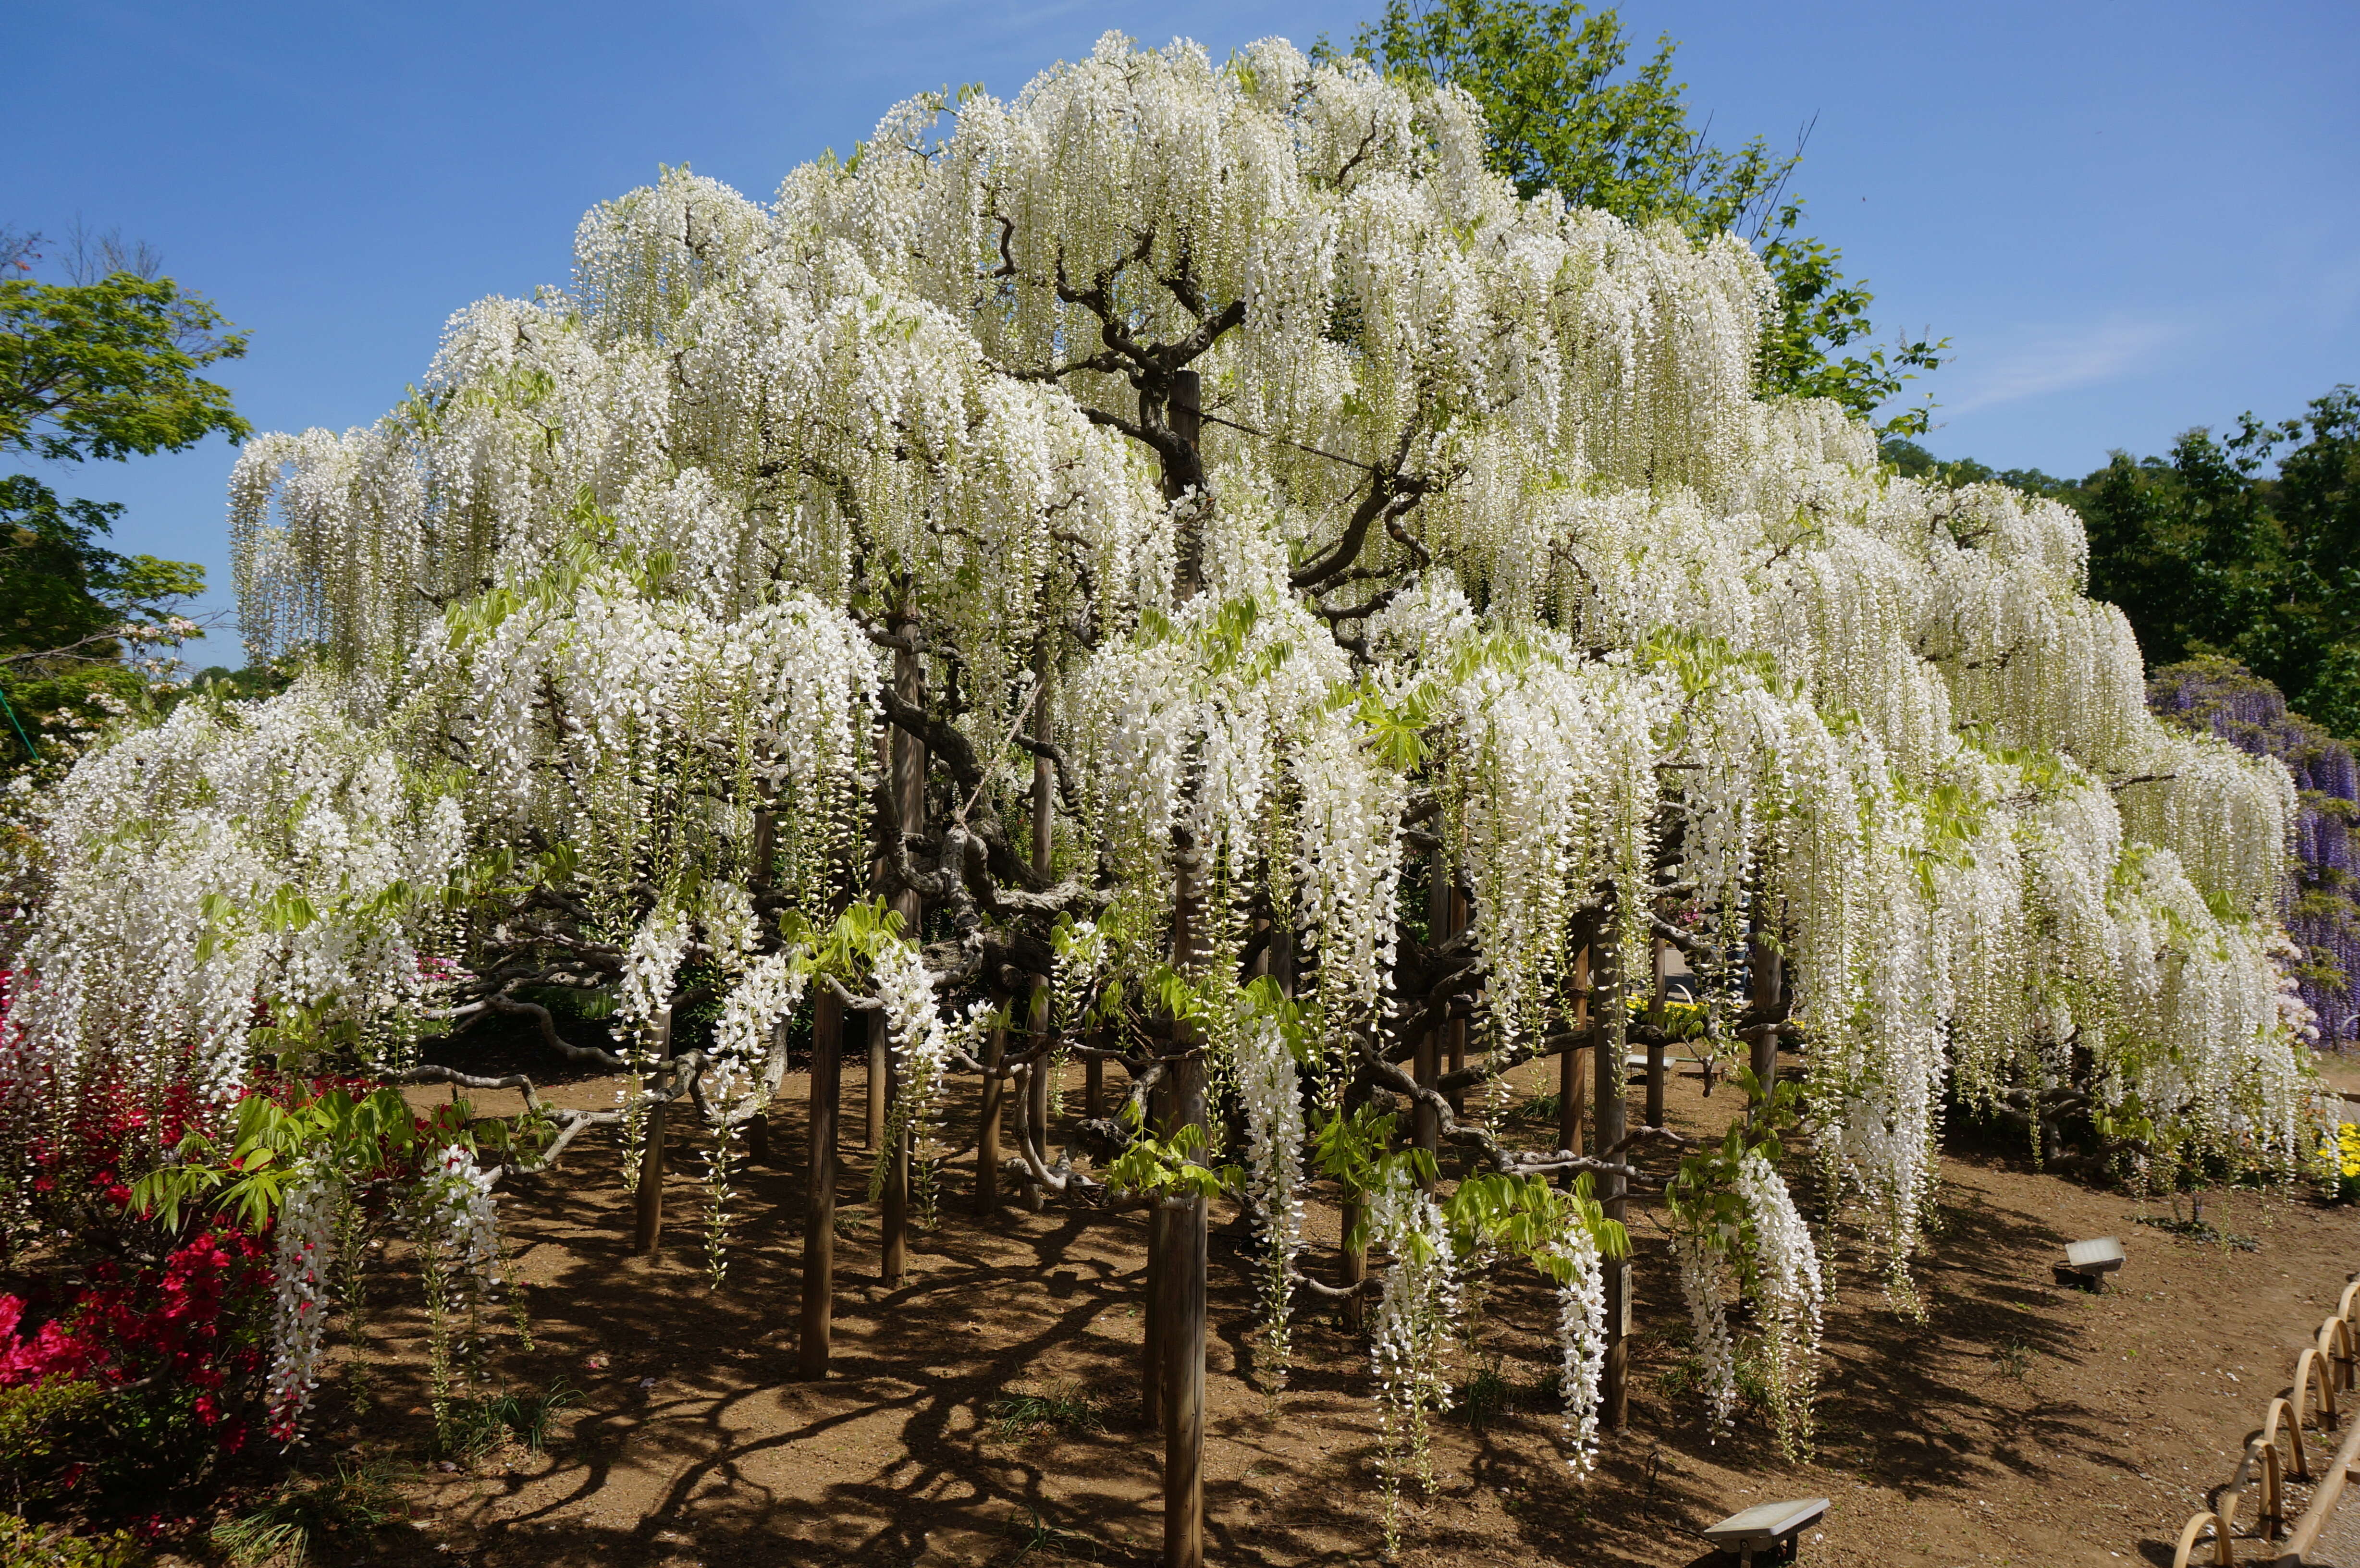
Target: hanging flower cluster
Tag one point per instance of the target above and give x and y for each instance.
(1701, 1287)
(1269, 1089)
(1415, 1330)
(455, 1227)
(924, 1045)
(1788, 1286)
(1731, 1211)
(303, 1255)
(1581, 1342)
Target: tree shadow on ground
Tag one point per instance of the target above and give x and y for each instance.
(697, 1442)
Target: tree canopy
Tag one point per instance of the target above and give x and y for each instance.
(102, 367)
(108, 369)
(1559, 117)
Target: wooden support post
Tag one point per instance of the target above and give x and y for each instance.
(819, 1194)
(876, 1089)
(647, 1210)
(1179, 1102)
(1094, 1089)
(1355, 1270)
(1177, 1328)
(758, 1138)
(909, 793)
(1183, 1385)
(1767, 986)
(1657, 1018)
(1571, 1096)
(1042, 1073)
(1611, 1119)
(987, 1142)
(1425, 1124)
(765, 848)
(1150, 1347)
(895, 1265)
(1045, 783)
(1456, 1029)
(1180, 1289)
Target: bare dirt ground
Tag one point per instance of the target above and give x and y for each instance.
(2021, 1423)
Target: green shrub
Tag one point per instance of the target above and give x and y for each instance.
(41, 1425)
(474, 1428)
(1061, 1407)
(24, 1545)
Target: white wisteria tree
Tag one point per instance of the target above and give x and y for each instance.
(1264, 608)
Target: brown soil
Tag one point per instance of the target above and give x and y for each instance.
(2021, 1422)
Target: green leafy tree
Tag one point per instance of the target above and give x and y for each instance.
(1564, 117)
(106, 365)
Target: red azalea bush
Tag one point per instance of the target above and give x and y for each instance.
(140, 1220)
(133, 1360)
(173, 1356)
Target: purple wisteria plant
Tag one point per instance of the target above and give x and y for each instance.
(2324, 902)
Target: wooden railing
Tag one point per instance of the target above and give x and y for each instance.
(2324, 1374)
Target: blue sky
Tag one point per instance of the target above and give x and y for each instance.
(2129, 218)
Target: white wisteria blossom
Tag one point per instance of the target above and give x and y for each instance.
(1786, 1271)
(1271, 1090)
(455, 1225)
(303, 1259)
(1415, 1331)
(1581, 1344)
(1707, 1302)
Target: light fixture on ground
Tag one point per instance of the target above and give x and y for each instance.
(2087, 1263)
(1768, 1533)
